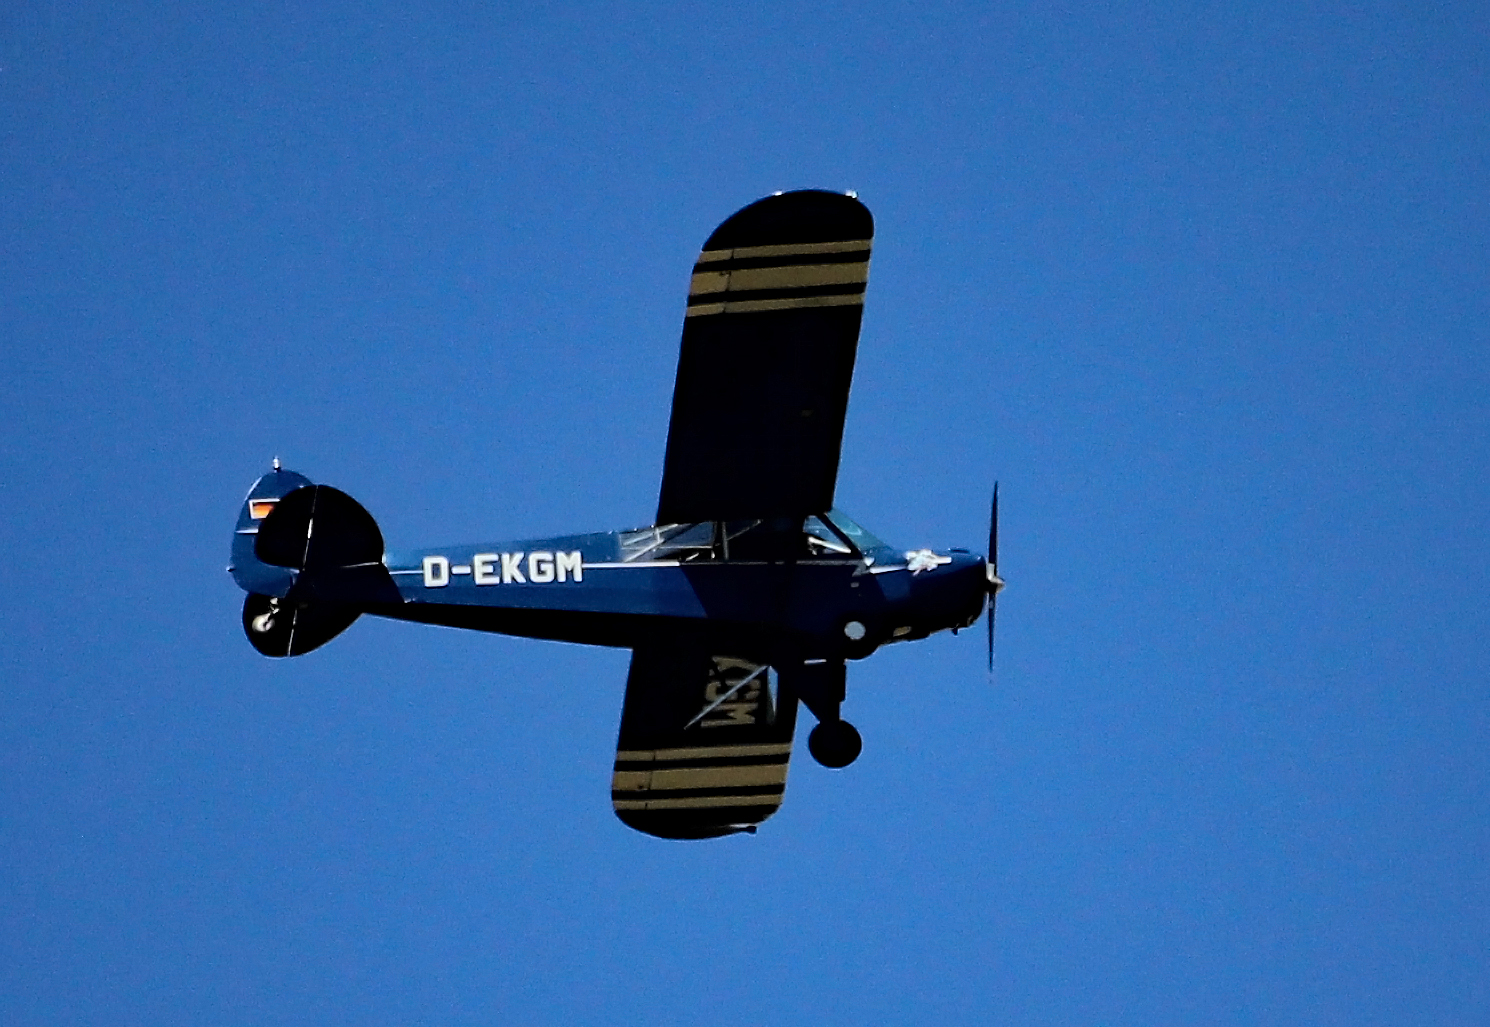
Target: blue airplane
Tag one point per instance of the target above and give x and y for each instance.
(744, 599)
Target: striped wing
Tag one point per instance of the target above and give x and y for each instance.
(767, 357)
(704, 746)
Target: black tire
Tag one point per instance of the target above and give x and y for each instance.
(835, 743)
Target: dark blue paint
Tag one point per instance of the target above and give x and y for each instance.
(793, 608)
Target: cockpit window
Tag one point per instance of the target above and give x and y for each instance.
(823, 540)
(682, 542)
(831, 537)
(863, 540)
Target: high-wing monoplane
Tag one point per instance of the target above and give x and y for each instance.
(743, 600)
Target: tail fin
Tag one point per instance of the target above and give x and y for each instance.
(251, 573)
(311, 559)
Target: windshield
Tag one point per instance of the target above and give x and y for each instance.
(823, 540)
(863, 540)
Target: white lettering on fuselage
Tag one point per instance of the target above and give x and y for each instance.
(512, 569)
(507, 568)
(484, 569)
(540, 567)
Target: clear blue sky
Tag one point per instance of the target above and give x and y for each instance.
(1203, 285)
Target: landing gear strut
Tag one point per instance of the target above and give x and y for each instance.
(834, 742)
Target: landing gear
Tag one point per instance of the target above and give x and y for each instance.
(835, 743)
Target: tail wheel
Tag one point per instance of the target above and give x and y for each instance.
(283, 627)
(269, 624)
(835, 743)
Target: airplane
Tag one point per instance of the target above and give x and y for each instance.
(746, 597)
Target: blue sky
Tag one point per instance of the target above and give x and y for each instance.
(1203, 286)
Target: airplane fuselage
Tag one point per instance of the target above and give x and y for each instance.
(629, 588)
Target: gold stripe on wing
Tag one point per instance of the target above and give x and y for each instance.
(798, 276)
(631, 780)
(675, 778)
(799, 249)
(703, 753)
(790, 276)
(757, 306)
(698, 802)
(747, 776)
(704, 282)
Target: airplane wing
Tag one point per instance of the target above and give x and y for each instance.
(767, 358)
(704, 745)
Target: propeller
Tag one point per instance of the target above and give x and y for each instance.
(995, 583)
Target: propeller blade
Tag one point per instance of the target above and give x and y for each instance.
(995, 583)
(992, 605)
(993, 531)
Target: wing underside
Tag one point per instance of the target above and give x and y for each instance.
(769, 339)
(704, 745)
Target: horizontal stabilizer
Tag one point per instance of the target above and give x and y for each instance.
(336, 549)
(346, 534)
(334, 543)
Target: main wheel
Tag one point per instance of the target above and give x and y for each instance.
(835, 743)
